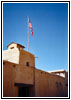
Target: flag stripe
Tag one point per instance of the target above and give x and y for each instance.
(30, 26)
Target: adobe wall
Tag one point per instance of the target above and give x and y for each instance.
(9, 74)
(11, 55)
(26, 57)
(66, 82)
(48, 85)
(24, 74)
(13, 73)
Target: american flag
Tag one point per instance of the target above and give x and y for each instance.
(30, 26)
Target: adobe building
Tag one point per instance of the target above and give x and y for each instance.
(22, 79)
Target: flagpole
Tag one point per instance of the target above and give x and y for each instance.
(28, 33)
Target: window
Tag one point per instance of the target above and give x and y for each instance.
(3, 63)
(14, 65)
(41, 72)
(12, 48)
(27, 63)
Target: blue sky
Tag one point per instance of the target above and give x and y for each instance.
(50, 31)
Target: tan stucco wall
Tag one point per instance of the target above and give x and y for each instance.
(45, 85)
(26, 57)
(11, 55)
(66, 82)
(24, 74)
(13, 73)
(9, 77)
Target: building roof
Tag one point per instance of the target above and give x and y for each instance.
(57, 71)
(17, 44)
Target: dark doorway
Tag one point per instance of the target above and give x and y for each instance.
(23, 91)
